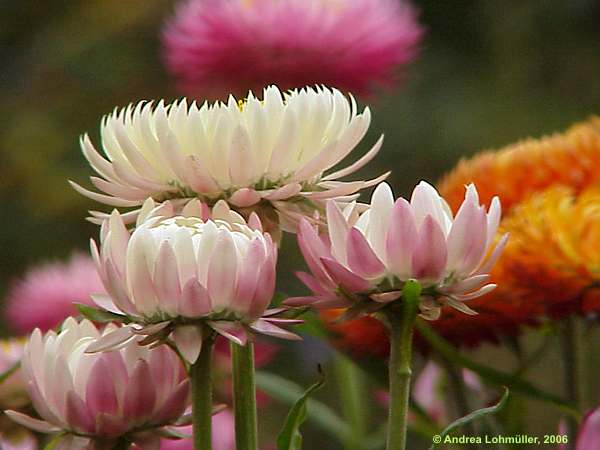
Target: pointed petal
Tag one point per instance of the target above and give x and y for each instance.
(140, 397)
(233, 331)
(264, 327)
(100, 394)
(222, 271)
(31, 423)
(429, 257)
(401, 239)
(244, 197)
(361, 257)
(344, 277)
(195, 300)
(77, 413)
(188, 340)
(110, 340)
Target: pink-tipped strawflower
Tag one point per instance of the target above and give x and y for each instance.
(180, 277)
(214, 47)
(46, 295)
(269, 156)
(93, 401)
(367, 258)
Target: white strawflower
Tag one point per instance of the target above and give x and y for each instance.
(255, 154)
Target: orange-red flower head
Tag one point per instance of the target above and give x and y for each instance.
(552, 260)
(515, 172)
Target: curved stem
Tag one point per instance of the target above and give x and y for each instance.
(401, 323)
(201, 378)
(244, 397)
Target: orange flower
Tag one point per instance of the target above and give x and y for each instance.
(360, 337)
(515, 172)
(552, 260)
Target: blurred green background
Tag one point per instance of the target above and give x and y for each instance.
(490, 72)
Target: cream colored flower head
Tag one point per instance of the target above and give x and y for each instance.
(251, 153)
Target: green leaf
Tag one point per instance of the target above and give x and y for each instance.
(288, 392)
(472, 417)
(99, 315)
(515, 383)
(5, 375)
(290, 438)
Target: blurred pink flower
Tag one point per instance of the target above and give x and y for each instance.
(45, 296)
(18, 440)
(588, 437)
(429, 391)
(223, 434)
(371, 253)
(100, 396)
(217, 47)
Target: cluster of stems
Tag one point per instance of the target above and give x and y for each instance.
(244, 389)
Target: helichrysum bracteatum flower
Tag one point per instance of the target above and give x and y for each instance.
(367, 257)
(173, 274)
(269, 154)
(213, 48)
(104, 397)
(514, 173)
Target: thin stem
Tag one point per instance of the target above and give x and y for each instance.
(459, 391)
(570, 366)
(401, 323)
(351, 382)
(244, 397)
(201, 378)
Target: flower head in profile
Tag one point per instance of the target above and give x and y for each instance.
(180, 275)
(368, 257)
(514, 173)
(213, 47)
(46, 295)
(104, 397)
(266, 155)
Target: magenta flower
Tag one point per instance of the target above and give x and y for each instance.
(223, 435)
(216, 47)
(123, 393)
(369, 256)
(173, 274)
(45, 296)
(589, 432)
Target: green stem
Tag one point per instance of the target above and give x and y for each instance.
(244, 397)
(459, 391)
(570, 366)
(352, 392)
(401, 323)
(201, 378)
